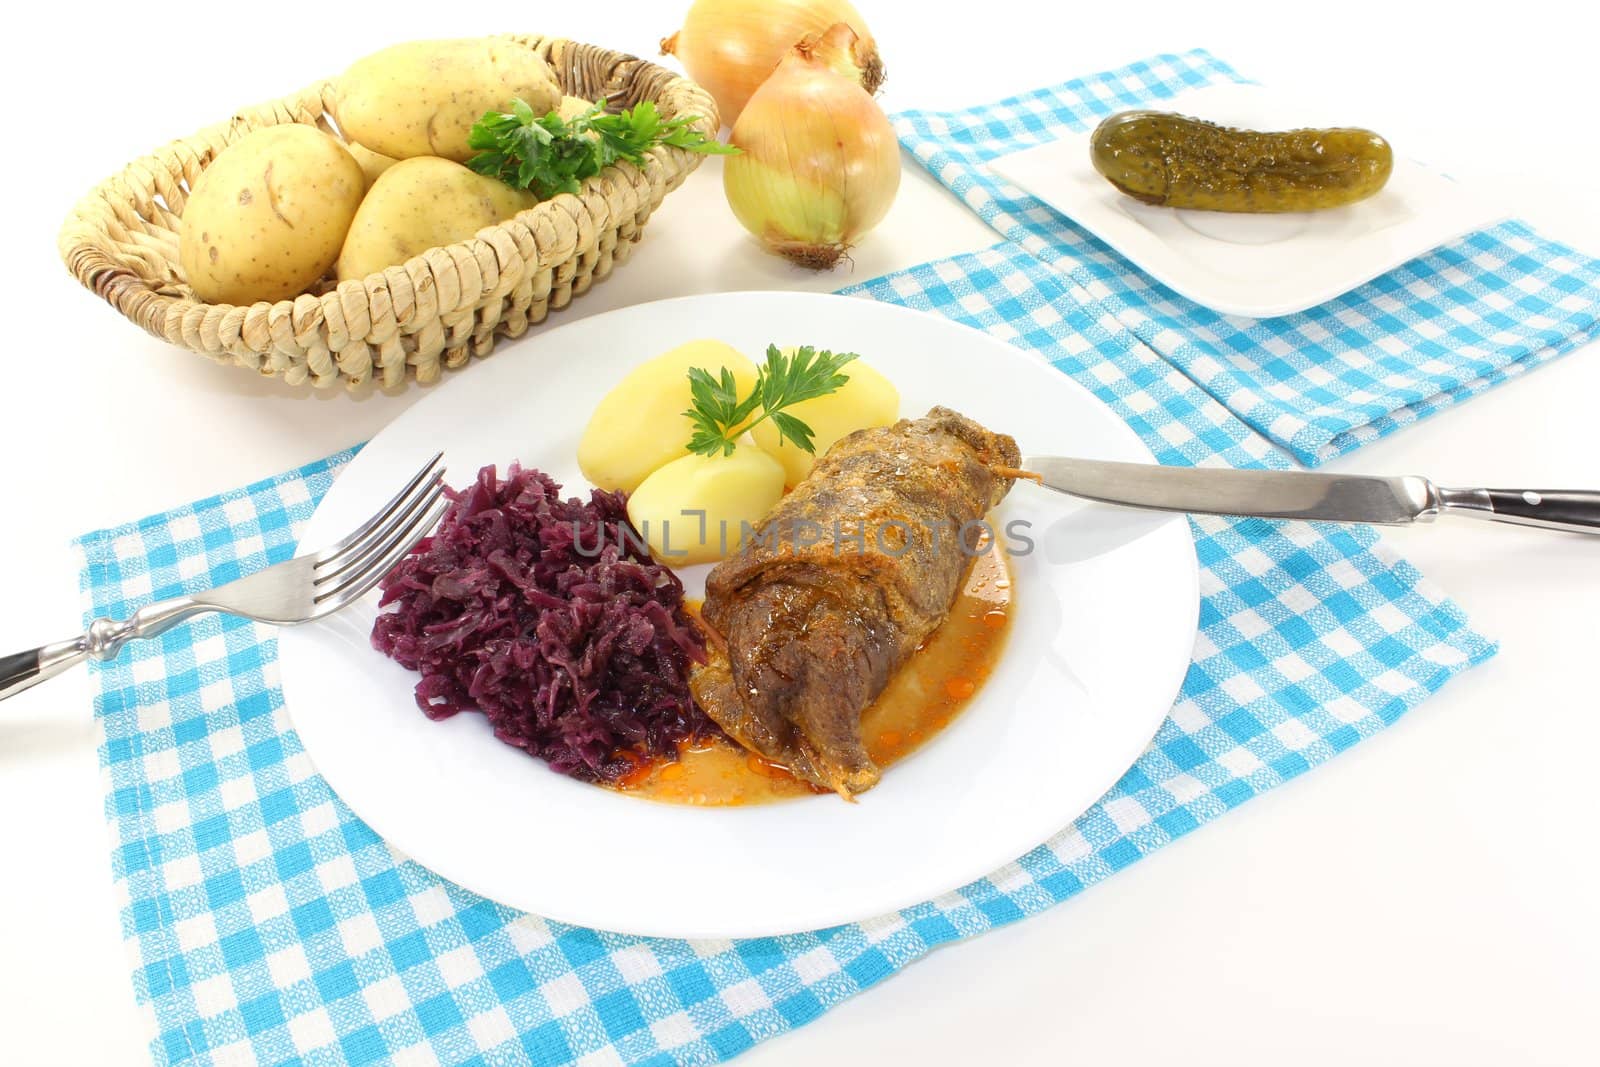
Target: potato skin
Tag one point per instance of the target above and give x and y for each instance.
(422, 203)
(372, 163)
(267, 218)
(640, 424)
(422, 97)
(573, 106)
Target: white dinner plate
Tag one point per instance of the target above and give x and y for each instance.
(1255, 265)
(1102, 632)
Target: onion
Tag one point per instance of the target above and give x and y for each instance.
(730, 46)
(819, 164)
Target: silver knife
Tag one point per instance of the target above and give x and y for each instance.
(1304, 495)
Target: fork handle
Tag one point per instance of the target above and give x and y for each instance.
(103, 640)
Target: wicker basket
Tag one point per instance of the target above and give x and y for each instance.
(435, 310)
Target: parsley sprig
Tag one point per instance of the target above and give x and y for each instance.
(549, 154)
(719, 414)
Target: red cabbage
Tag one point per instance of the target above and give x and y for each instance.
(576, 655)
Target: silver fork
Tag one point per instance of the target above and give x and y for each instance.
(297, 590)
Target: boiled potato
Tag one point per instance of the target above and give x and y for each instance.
(640, 425)
(265, 220)
(734, 492)
(867, 399)
(421, 98)
(372, 164)
(423, 203)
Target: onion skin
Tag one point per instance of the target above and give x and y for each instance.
(819, 164)
(731, 46)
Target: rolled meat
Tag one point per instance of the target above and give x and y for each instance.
(842, 582)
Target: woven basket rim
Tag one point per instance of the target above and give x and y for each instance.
(76, 245)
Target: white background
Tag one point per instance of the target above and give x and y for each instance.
(1428, 897)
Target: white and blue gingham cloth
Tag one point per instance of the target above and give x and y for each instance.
(267, 923)
(1427, 335)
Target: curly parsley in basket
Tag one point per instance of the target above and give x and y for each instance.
(547, 154)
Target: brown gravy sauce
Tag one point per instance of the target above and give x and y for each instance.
(920, 700)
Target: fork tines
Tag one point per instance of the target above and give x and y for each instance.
(345, 570)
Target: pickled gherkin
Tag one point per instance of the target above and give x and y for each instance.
(1170, 160)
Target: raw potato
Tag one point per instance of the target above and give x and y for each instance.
(735, 493)
(867, 399)
(421, 98)
(372, 164)
(573, 106)
(640, 424)
(423, 203)
(265, 220)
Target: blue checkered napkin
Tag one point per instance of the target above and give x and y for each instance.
(1436, 331)
(267, 923)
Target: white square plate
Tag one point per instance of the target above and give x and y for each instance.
(1254, 265)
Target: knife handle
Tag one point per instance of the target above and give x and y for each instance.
(1577, 510)
(24, 670)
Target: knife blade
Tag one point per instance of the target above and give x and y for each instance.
(1309, 496)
